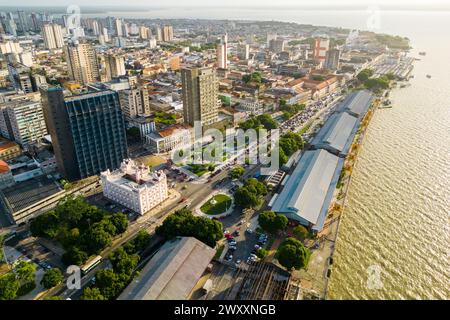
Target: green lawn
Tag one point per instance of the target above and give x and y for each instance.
(222, 203)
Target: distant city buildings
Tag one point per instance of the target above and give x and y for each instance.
(53, 37)
(167, 33)
(222, 53)
(200, 95)
(135, 186)
(87, 131)
(332, 59)
(321, 46)
(243, 51)
(277, 45)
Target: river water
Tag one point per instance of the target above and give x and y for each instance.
(394, 237)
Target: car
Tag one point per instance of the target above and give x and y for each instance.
(257, 247)
(232, 243)
(238, 261)
(248, 230)
(228, 236)
(232, 248)
(236, 233)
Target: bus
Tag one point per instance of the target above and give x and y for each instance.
(91, 264)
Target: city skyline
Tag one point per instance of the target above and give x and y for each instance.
(199, 152)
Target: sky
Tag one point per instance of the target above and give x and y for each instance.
(256, 3)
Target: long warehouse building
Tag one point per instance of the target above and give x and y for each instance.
(309, 189)
(356, 103)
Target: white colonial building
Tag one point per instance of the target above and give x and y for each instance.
(135, 187)
(169, 139)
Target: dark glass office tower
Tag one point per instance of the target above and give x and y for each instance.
(96, 132)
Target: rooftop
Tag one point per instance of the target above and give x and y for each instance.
(357, 103)
(337, 134)
(133, 176)
(172, 272)
(307, 193)
(24, 194)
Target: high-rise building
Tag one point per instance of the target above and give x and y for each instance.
(23, 21)
(222, 53)
(125, 30)
(167, 33)
(36, 22)
(95, 28)
(82, 62)
(118, 27)
(87, 131)
(243, 51)
(271, 36)
(200, 95)
(11, 27)
(152, 43)
(277, 45)
(19, 76)
(113, 66)
(53, 37)
(321, 46)
(10, 47)
(144, 32)
(332, 59)
(159, 34)
(135, 102)
(22, 121)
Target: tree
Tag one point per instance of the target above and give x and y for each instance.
(183, 223)
(134, 133)
(249, 195)
(292, 254)
(237, 172)
(74, 256)
(300, 232)
(261, 253)
(272, 222)
(377, 83)
(267, 121)
(120, 222)
(246, 198)
(364, 75)
(9, 286)
(97, 239)
(92, 294)
(122, 262)
(109, 283)
(139, 243)
(25, 271)
(280, 222)
(52, 278)
(290, 143)
(283, 157)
